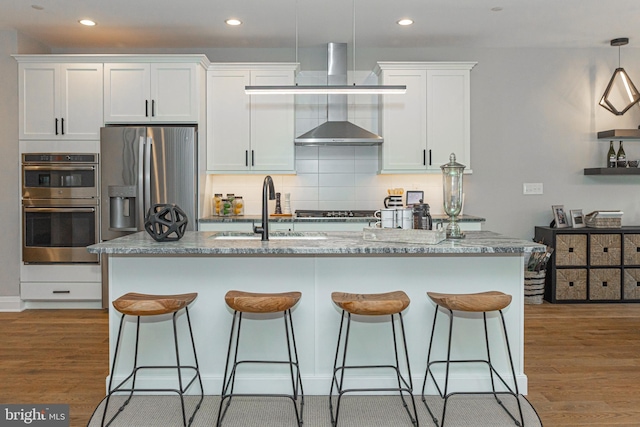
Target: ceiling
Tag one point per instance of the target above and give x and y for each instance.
(272, 23)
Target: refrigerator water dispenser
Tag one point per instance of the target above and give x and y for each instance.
(122, 207)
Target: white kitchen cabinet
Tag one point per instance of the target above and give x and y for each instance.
(432, 120)
(151, 92)
(249, 133)
(59, 100)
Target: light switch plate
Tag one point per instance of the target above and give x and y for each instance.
(529, 188)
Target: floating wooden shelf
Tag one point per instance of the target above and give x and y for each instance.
(619, 134)
(612, 171)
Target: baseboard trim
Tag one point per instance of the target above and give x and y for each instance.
(11, 304)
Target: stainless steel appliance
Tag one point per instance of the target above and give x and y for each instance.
(337, 130)
(334, 214)
(142, 166)
(60, 207)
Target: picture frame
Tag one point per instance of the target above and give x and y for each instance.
(577, 219)
(414, 197)
(559, 216)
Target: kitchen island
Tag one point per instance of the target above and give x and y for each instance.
(316, 264)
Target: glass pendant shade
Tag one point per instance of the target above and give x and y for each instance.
(621, 94)
(452, 194)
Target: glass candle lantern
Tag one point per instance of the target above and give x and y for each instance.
(452, 194)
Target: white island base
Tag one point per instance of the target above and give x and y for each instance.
(316, 318)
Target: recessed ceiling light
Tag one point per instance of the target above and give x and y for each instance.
(37, 7)
(405, 21)
(233, 22)
(496, 9)
(87, 22)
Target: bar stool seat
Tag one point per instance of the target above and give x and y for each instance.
(372, 304)
(382, 304)
(138, 305)
(482, 302)
(261, 303)
(250, 302)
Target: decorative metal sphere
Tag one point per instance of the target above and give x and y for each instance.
(165, 222)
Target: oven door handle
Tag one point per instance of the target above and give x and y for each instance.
(59, 168)
(60, 210)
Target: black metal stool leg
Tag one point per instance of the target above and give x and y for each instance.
(334, 380)
(227, 382)
(513, 372)
(195, 358)
(428, 372)
(113, 367)
(414, 417)
(295, 380)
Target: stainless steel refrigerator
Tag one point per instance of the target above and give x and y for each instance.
(141, 166)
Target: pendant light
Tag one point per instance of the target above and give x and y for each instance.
(327, 89)
(620, 94)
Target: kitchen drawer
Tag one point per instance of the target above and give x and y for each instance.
(604, 284)
(52, 291)
(632, 249)
(571, 284)
(606, 249)
(632, 283)
(571, 249)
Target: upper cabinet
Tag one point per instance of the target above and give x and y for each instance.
(59, 100)
(151, 92)
(432, 120)
(249, 133)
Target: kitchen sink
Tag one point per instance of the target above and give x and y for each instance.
(274, 235)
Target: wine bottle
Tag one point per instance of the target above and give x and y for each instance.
(621, 156)
(611, 156)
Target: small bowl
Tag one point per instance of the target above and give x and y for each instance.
(633, 163)
(622, 163)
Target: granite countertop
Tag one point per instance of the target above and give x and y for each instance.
(335, 243)
(257, 218)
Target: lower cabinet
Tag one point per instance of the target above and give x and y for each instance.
(592, 264)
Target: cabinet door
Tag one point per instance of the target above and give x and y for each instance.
(174, 93)
(39, 97)
(60, 101)
(228, 111)
(448, 121)
(81, 101)
(127, 96)
(403, 125)
(272, 127)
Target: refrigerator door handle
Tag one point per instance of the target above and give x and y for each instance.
(147, 175)
(140, 197)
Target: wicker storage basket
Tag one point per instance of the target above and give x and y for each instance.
(604, 284)
(534, 286)
(593, 220)
(632, 283)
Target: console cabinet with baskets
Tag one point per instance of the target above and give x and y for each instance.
(592, 264)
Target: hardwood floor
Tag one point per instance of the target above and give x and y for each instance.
(583, 361)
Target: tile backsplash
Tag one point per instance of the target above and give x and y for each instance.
(330, 178)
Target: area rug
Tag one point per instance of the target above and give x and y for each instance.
(355, 411)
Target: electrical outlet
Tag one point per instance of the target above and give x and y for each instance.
(529, 188)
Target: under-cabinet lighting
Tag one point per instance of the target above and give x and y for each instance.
(326, 90)
(233, 22)
(87, 22)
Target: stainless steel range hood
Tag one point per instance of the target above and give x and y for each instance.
(337, 130)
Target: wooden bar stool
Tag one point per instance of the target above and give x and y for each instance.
(262, 303)
(385, 304)
(483, 302)
(133, 304)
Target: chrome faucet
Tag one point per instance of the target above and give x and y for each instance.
(268, 184)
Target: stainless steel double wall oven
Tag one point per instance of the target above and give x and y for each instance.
(60, 207)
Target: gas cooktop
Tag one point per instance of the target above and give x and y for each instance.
(334, 214)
